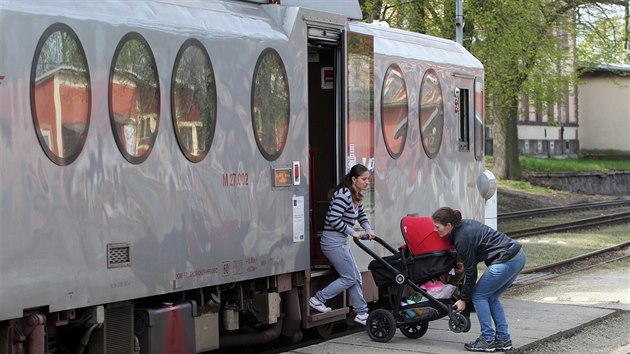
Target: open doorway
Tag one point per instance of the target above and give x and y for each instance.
(325, 133)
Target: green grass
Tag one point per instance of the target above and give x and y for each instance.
(525, 187)
(529, 163)
(556, 165)
(571, 164)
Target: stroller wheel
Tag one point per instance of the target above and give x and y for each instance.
(381, 326)
(458, 323)
(415, 331)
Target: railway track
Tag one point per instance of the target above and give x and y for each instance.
(621, 217)
(562, 209)
(579, 263)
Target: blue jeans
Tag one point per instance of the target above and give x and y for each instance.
(494, 282)
(350, 278)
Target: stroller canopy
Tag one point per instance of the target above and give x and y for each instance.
(420, 235)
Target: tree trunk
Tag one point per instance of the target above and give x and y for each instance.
(505, 141)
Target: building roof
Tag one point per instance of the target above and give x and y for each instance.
(603, 69)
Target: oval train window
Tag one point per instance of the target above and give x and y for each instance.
(270, 104)
(134, 98)
(394, 111)
(194, 100)
(431, 113)
(60, 94)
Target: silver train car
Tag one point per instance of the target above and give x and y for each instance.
(166, 164)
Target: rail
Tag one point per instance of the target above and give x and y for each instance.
(571, 265)
(562, 209)
(573, 225)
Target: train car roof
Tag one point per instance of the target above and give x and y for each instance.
(229, 18)
(388, 41)
(348, 8)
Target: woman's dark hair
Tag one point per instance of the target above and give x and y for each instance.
(446, 215)
(356, 171)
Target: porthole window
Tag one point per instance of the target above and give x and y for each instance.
(270, 104)
(479, 119)
(394, 111)
(194, 100)
(134, 98)
(60, 94)
(431, 113)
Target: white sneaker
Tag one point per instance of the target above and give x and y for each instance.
(318, 305)
(361, 318)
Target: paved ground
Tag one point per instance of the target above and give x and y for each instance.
(606, 286)
(554, 310)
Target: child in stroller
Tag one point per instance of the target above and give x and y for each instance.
(412, 281)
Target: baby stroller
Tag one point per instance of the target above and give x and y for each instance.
(407, 281)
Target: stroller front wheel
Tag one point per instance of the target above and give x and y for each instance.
(458, 323)
(381, 325)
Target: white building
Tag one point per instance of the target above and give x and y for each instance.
(604, 109)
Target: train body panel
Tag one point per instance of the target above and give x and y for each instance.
(178, 155)
(186, 225)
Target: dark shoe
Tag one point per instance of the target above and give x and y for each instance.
(480, 345)
(502, 345)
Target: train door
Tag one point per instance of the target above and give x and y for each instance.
(325, 91)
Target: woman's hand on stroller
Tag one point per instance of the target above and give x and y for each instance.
(364, 236)
(459, 268)
(459, 305)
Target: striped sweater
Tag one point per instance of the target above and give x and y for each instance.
(342, 215)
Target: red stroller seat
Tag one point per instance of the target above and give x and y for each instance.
(420, 235)
(425, 255)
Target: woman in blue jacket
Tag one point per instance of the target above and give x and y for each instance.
(476, 242)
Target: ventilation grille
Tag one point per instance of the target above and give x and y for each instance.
(119, 328)
(118, 255)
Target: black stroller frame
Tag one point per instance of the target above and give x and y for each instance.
(402, 270)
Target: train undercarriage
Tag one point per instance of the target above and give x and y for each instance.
(266, 311)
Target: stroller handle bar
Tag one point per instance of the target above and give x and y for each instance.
(362, 245)
(364, 237)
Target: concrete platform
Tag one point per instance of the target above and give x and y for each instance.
(554, 307)
(529, 322)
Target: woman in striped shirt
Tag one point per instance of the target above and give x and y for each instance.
(345, 209)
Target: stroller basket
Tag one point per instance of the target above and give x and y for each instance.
(419, 268)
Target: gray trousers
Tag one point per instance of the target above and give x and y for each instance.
(350, 278)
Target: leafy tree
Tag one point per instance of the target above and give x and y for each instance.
(602, 34)
(521, 44)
